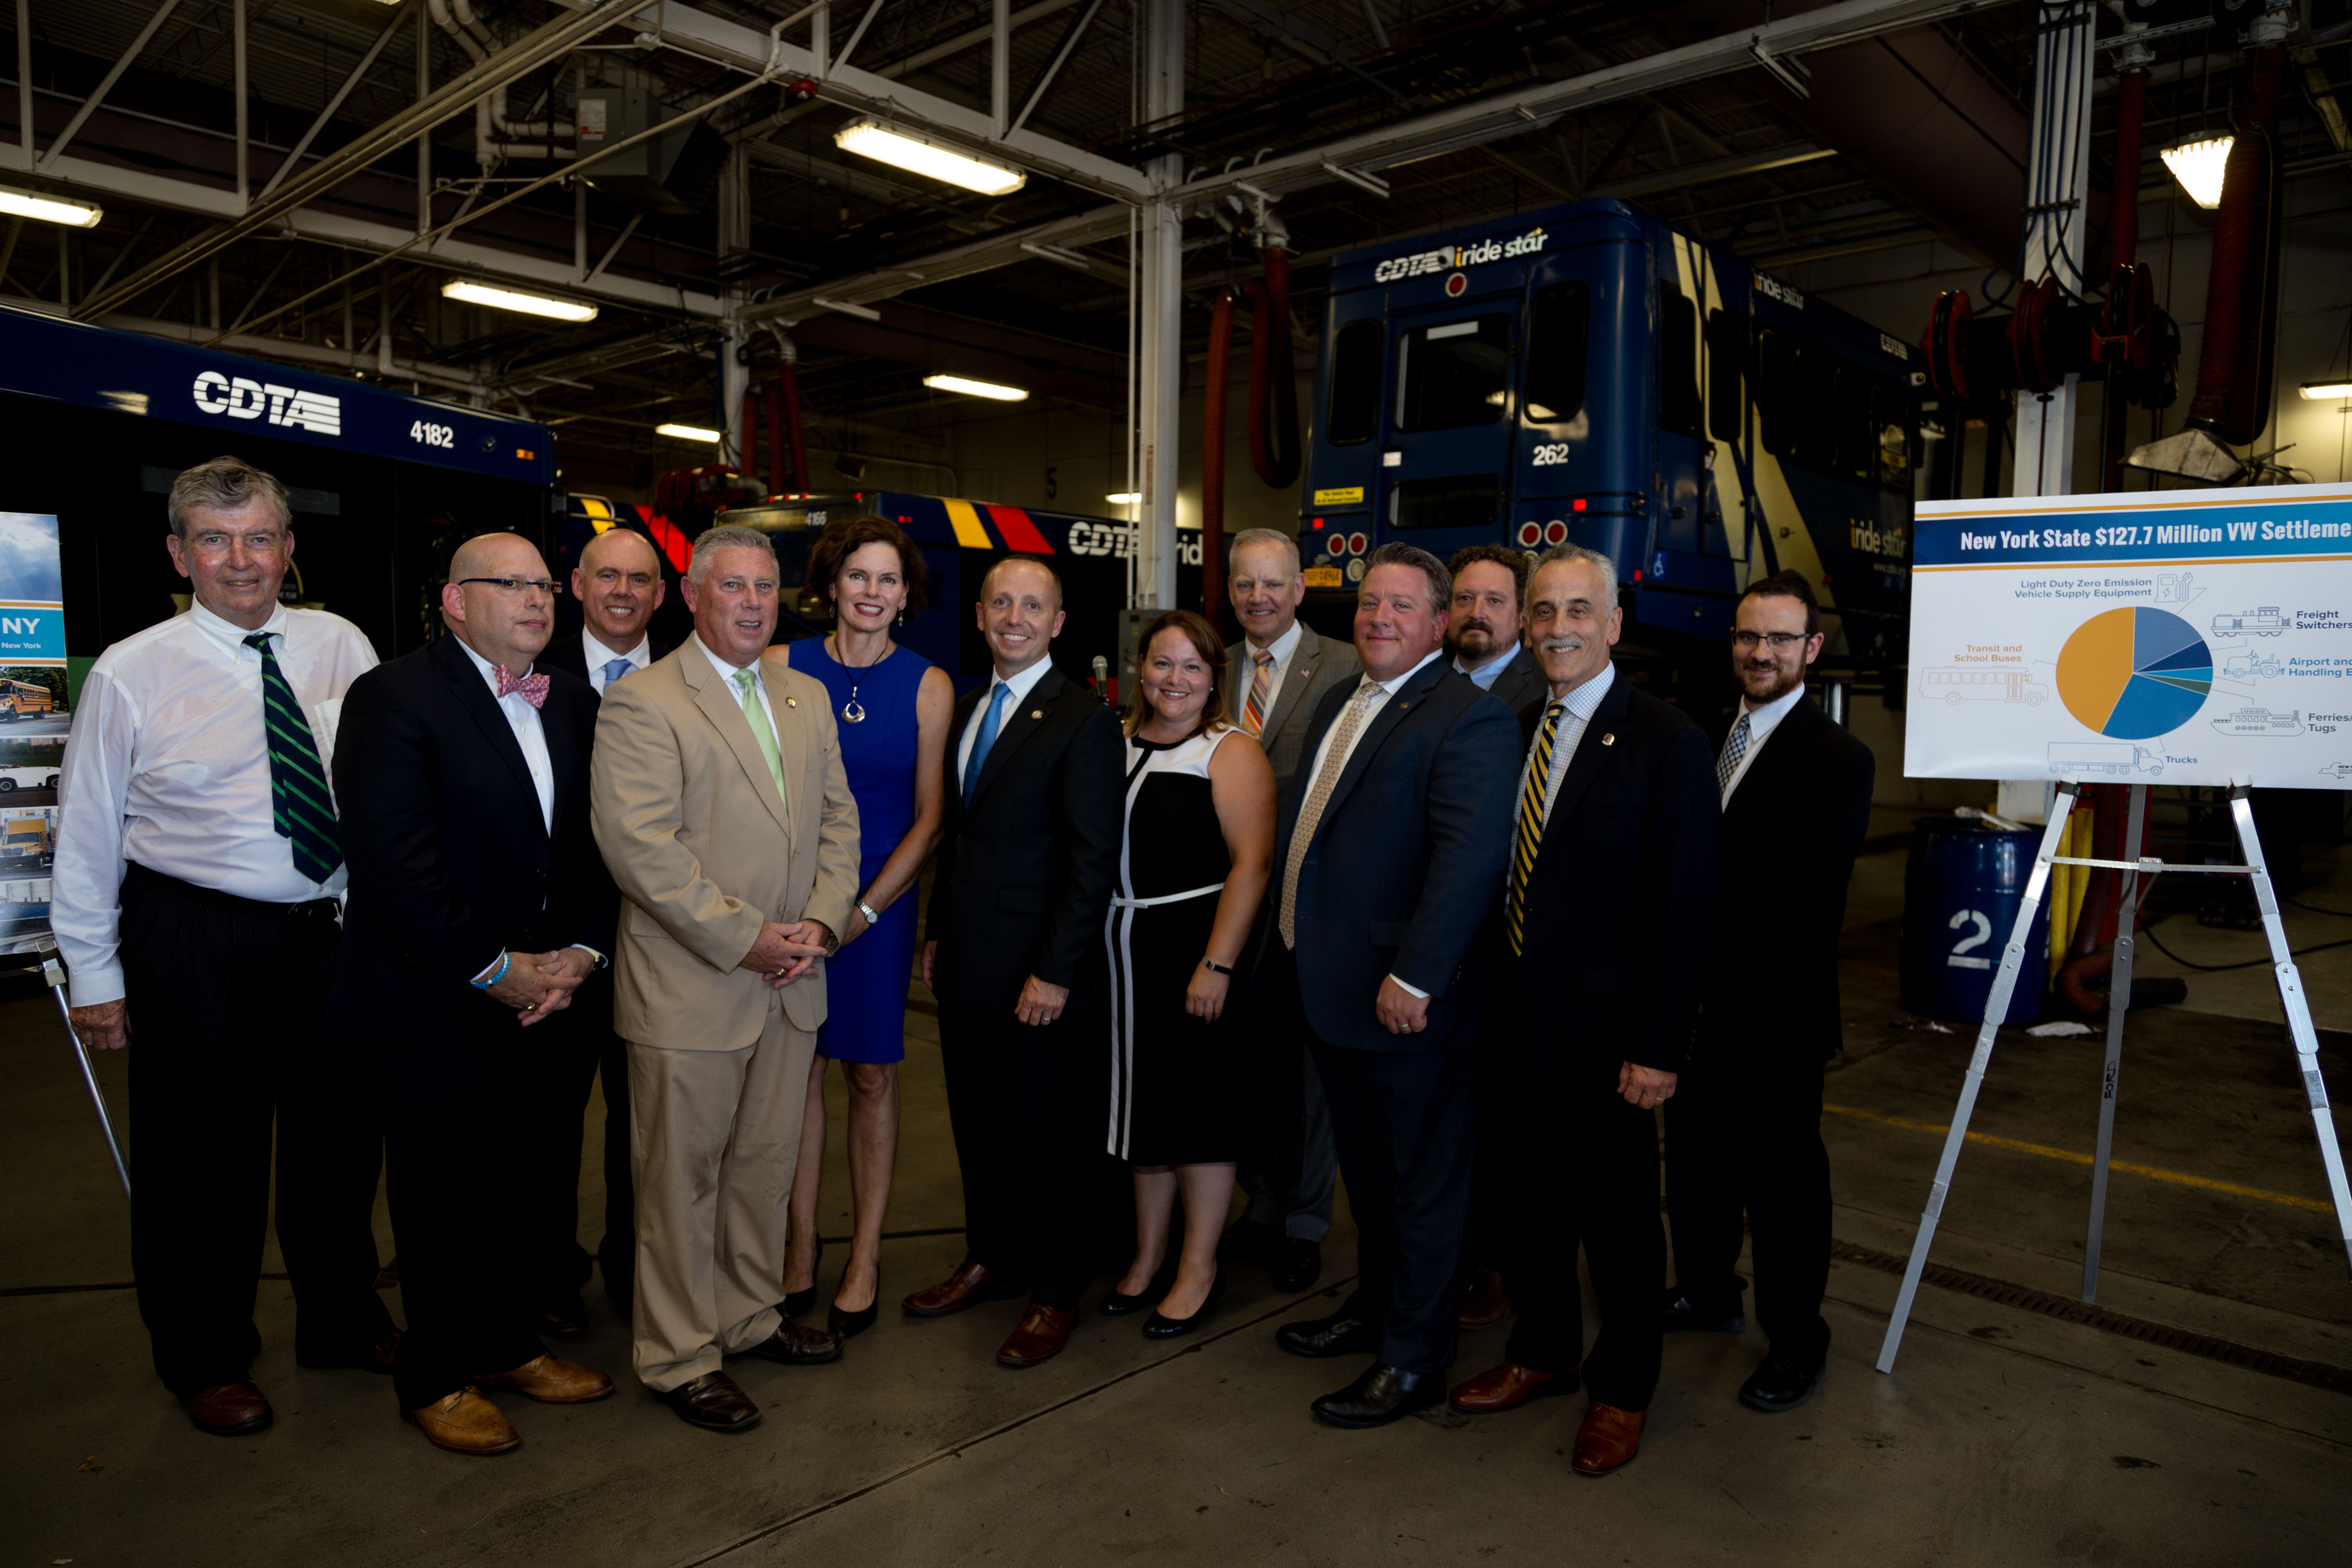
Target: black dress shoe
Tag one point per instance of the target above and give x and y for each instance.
(565, 1317)
(1680, 1312)
(1326, 1337)
(1782, 1382)
(795, 1345)
(1300, 1265)
(1119, 1305)
(1382, 1395)
(713, 1403)
(1157, 1327)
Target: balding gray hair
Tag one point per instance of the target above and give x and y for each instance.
(1440, 581)
(1577, 555)
(1286, 542)
(225, 484)
(727, 536)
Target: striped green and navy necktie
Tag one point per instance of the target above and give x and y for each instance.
(300, 805)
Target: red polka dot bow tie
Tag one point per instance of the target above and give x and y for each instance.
(533, 687)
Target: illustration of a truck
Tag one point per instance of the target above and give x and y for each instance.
(2265, 622)
(12, 779)
(26, 846)
(2253, 667)
(2116, 759)
(2259, 722)
(1958, 686)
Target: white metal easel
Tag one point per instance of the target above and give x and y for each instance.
(2290, 983)
(53, 975)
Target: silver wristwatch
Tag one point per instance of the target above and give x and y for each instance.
(872, 918)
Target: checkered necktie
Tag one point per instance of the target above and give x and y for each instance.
(1530, 836)
(1734, 746)
(302, 807)
(1310, 815)
(1261, 683)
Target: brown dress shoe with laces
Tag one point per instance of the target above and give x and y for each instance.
(1509, 1386)
(1484, 1300)
(1608, 1440)
(465, 1423)
(797, 1345)
(969, 1286)
(552, 1382)
(227, 1409)
(1043, 1332)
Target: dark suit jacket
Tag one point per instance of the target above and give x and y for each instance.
(1320, 664)
(1521, 682)
(1790, 836)
(1622, 900)
(450, 862)
(1405, 860)
(569, 655)
(1025, 876)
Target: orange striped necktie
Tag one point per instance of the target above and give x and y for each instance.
(1261, 683)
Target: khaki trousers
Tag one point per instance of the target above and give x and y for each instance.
(713, 1138)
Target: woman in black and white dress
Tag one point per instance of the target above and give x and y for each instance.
(1193, 864)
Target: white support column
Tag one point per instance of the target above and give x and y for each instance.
(25, 76)
(1000, 66)
(1161, 312)
(734, 238)
(2057, 217)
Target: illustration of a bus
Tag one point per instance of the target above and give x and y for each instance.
(22, 698)
(1958, 686)
(2265, 622)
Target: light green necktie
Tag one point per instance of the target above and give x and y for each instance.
(763, 733)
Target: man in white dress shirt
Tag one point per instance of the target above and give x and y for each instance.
(197, 841)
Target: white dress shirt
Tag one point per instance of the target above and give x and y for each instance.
(596, 656)
(1022, 685)
(1486, 674)
(1761, 722)
(727, 673)
(1285, 649)
(168, 765)
(1582, 703)
(529, 733)
(1382, 690)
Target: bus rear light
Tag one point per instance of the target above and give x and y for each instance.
(1358, 543)
(1576, 505)
(1531, 533)
(1319, 522)
(1557, 532)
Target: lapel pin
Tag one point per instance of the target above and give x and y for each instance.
(1609, 739)
(791, 701)
(1036, 713)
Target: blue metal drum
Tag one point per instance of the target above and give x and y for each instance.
(1961, 890)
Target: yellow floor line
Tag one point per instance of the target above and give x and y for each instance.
(2072, 1158)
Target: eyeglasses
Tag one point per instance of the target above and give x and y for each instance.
(1745, 641)
(547, 586)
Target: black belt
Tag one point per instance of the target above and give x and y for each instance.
(229, 902)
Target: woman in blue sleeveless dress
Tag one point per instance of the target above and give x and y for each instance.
(893, 709)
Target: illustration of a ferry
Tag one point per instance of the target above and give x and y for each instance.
(2259, 722)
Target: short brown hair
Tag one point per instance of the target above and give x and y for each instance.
(1396, 553)
(1785, 585)
(1515, 562)
(225, 484)
(844, 538)
(1204, 638)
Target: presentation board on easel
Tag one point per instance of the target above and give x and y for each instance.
(2188, 638)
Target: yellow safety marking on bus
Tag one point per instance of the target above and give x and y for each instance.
(969, 531)
(2021, 1147)
(1345, 495)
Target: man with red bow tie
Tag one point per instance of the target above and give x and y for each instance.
(478, 905)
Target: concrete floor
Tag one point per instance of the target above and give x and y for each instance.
(2005, 1436)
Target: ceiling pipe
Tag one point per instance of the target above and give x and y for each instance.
(495, 136)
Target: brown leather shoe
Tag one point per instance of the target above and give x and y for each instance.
(465, 1423)
(1608, 1440)
(1509, 1386)
(1043, 1332)
(227, 1409)
(1484, 1300)
(797, 1345)
(713, 1403)
(969, 1286)
(552, 1382)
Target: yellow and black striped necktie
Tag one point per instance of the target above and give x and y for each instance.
(1530, 830)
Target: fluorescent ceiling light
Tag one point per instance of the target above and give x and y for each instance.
(2326, 391)
(2197, 165)
(503, 299)
(965, 384)
(1125, 497)
(51, 209)
(921, 155)
(688, 432)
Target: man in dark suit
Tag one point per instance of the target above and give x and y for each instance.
(1391, 848)
(1611, 894)
(1013, 951)
(1485, 632)
(1745, 1133)
(618, 582)
(1277, 675)
(478, 905)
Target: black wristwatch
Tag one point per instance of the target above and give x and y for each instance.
(1212, 966)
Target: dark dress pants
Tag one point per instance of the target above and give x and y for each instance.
(1403, 1122)
(1501, 1057)
(466, 1148)
(1591, 1178)
(224, 998)
(564, 1264)
(1744, 1138)
(1289, 1166)
(1030, 1108)
(616, 1254)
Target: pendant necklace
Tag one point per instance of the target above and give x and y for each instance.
(853, 711)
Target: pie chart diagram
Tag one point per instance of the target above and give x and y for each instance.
(2135, 673)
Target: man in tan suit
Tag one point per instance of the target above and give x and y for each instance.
(722, 809)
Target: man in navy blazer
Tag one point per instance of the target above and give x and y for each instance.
(1600, 941)
(1391, 847)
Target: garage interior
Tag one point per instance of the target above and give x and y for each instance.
(297, 180)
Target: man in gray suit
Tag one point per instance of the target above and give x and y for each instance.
(1273, 677)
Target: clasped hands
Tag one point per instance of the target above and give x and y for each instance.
(785, 952)
(539, 985)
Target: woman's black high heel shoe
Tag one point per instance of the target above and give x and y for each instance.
(1118, 1306)
(849, 1325)
(1159, 1328)
(795, 1302)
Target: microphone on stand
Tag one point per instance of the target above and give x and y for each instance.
(1102, 679)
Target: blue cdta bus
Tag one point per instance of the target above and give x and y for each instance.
(1588, 374)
